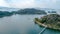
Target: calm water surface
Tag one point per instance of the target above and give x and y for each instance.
(22, 24)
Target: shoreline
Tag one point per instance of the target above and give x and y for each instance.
(46, 25)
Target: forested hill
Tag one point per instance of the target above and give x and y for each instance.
(22, 11)
(30, 11)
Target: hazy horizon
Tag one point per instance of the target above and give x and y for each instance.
(53, 4)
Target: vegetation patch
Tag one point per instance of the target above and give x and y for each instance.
(52, 21)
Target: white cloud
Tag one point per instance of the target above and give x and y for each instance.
(3, 3)
(54, 1)
(54, 4)
(31, 3)
(22, 3)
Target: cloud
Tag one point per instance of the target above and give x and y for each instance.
(3, 3)
(55, 4)
(22, 3)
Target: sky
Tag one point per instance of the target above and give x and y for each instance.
(54, 4)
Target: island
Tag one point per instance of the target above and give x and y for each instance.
(30, 11)
(51, 21)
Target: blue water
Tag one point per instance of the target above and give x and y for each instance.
(22, 24)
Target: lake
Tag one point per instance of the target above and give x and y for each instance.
(22, 24)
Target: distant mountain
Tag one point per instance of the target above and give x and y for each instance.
(30, 11)
(5, 11)
(8, 9)
(45, 9)
(49, 9)
(14, 9)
